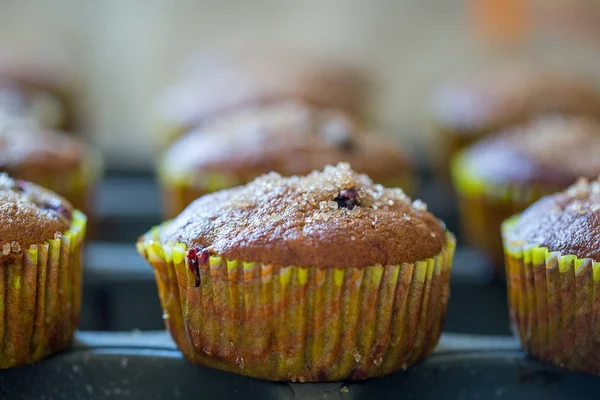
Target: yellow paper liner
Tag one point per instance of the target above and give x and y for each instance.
(554, 302)
(40, 297)
(483, 206)
(451, 142)
(293, 323)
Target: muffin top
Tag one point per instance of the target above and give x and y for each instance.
(221, 83)
(28, 150)
(567, 222)
(42, 106)
(36, 88)
(550, 151)
(290, 137)
(494, 99)
(334, 218)
(29, 215)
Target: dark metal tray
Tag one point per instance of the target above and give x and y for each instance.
(148, 366)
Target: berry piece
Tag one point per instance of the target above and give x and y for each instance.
(196, 257)
(347, 198)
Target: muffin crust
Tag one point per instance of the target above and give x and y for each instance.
(551, 151)
(290, 137)
(226, 82)
(28, 151)
(494, 99)
(334, 218)
(567, 222)
(29, 214)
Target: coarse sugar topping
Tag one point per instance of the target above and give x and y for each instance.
(334, 217)
(567, 222)
(29, 214)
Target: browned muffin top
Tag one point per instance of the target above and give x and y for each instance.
(552, 151)
(334, 218)
(567, 222)
(44, 107)
(29, 214)
(27, 150)
(292, 138)
(497, 98)
(37, 87)
(226, 82)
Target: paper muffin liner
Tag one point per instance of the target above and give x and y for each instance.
(295, 323)
(179, 190)
(484, 206)
(554, 302)
(452, 143)
(40, 296)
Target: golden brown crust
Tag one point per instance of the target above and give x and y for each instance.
(29, 214)
(567, 222)
(334, 218)
(32, 153)
(292, 138)
(496, 98)
(222, 84)
(549, 151)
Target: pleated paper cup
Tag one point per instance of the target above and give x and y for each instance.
(40, 296)
(554, 302)
(300, 323)
(451, 142)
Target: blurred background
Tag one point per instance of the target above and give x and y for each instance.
(125, 53)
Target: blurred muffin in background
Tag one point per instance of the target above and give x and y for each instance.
(503, 174)
(221, 83)
(288, 137)
(51, 159)
(40, 89)
(498, 97)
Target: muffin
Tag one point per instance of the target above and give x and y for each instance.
(291, 138)
(39, 90)
(324, 277)
(553, 270)
(495, 99)
(41, 236)
(503, 174)
(220, 84)
(51, 159)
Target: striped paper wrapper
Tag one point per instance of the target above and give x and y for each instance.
(554, 302)
(452, 142)
(40, 297)
(305, 324)
(484, 206)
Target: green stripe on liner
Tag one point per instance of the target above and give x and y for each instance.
(565, 263)
(539, 255)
